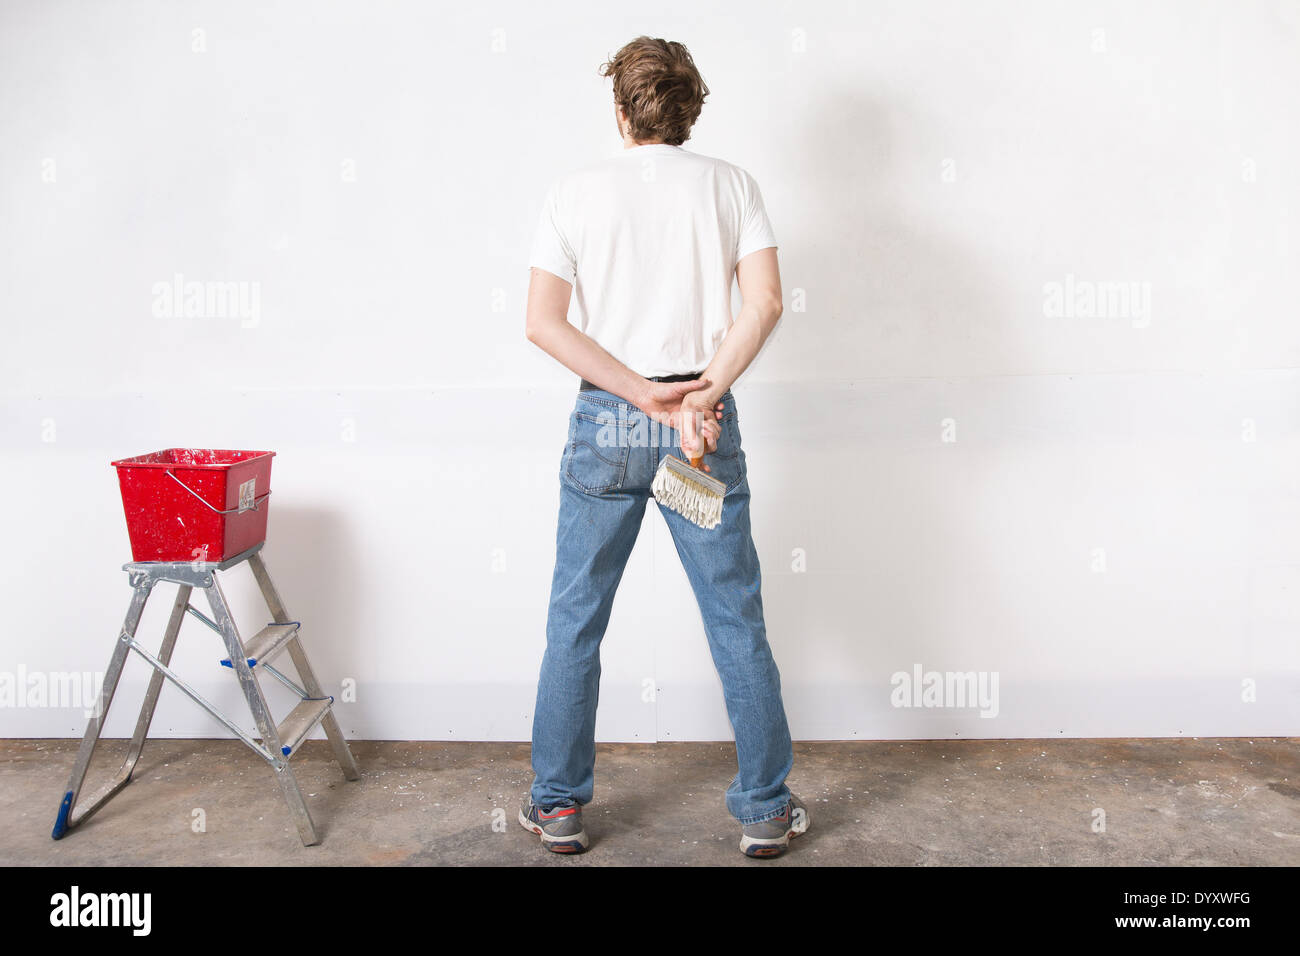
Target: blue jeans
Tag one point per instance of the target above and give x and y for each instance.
(609, 460)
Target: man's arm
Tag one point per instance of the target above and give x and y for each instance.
(547, 326)
(760, 289)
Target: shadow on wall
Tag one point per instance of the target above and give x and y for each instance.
(885, 288)
(883, 285)
(313, 562)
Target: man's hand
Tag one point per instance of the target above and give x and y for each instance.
(667, 403)
(699, 429)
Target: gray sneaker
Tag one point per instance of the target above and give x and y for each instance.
(559, 827)
(772, 837)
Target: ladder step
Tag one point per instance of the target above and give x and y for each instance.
(266, 643)
(301, 720)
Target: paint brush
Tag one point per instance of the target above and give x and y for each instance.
(686, 489)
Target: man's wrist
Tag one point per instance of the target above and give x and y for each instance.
(712, 393)
(640, 396)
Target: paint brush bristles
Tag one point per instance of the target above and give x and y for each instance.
(688, 491)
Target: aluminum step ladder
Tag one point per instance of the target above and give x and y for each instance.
(278, 742)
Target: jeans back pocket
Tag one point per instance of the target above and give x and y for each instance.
(595, 459)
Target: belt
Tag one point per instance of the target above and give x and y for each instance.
(584, 385)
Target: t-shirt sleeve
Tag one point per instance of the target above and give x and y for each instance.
(551, 249)
(755, 228)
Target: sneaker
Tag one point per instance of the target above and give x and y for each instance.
(772, 837)
(559, 827)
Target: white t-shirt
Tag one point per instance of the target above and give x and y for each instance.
(650, 239)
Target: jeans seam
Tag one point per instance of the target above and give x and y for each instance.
(622, 424)
(609, 403)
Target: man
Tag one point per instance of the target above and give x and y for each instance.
(650, 240)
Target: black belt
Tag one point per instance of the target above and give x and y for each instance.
(584, 385)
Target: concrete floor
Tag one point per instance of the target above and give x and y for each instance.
(1183, 801)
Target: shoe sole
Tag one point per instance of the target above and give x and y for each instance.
(757, 847)
(565, 844)
(763, 848)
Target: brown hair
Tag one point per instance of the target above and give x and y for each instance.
(659, 88)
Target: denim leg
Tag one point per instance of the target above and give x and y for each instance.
(723, 568)
(598, 525)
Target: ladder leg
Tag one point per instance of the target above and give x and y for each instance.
(297, 805)
(261, 713)
(156, 678)
(330, 724)
(66, 818)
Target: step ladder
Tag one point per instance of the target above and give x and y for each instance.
(278, 742)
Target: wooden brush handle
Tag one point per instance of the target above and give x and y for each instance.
(696, 462)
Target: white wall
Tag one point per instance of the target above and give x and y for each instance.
(1114, 533)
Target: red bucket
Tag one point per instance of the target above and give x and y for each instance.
(195, 504)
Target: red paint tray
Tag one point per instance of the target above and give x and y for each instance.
(195, 504)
